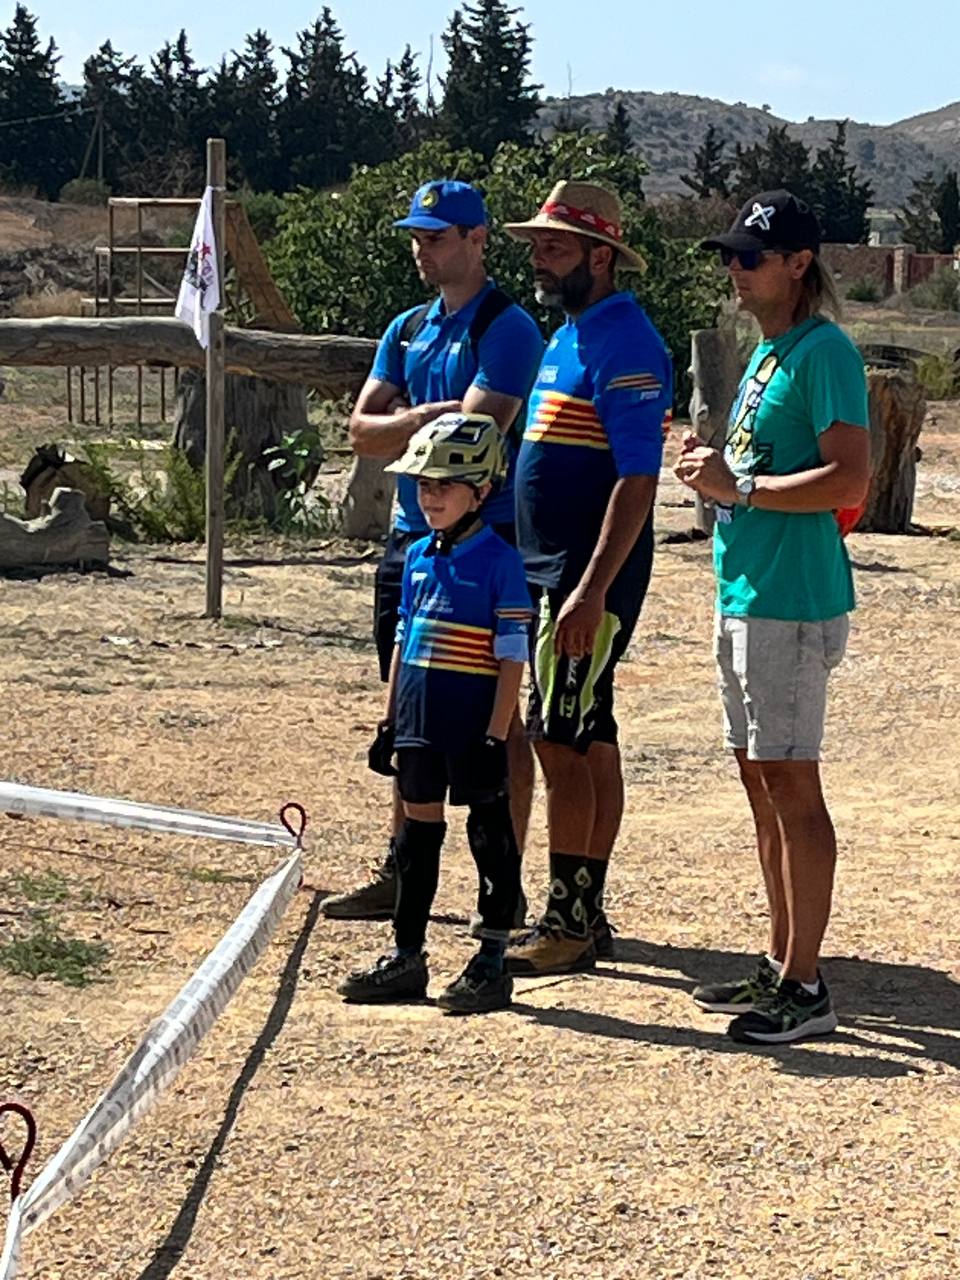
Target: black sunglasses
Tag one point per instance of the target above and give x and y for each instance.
(749, 259)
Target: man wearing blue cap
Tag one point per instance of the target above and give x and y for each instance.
(473, 349)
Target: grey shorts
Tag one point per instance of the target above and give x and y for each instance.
(773, 683)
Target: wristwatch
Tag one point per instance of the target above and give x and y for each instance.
(745, 486)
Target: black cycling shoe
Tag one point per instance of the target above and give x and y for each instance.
(481, 988)
(603, 942)
(392, 977)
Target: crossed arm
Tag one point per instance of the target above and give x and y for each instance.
(382, 421)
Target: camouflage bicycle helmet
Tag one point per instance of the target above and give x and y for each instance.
(456, 446)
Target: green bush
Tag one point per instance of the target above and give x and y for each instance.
(263, 209)
(159, 505)
(84, 191)
(864, 290)
(939, 292)
(344, 269)
(939, 376)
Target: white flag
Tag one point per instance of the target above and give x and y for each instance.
(200, 287)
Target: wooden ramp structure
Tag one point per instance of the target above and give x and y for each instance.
(249, 288)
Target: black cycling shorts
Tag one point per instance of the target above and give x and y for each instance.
(426, 774)
(571, 699)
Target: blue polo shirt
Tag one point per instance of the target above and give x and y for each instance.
(460, 616)
(440, 364)
(596, 414)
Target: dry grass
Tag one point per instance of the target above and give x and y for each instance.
(38, 306)
(603, 1127)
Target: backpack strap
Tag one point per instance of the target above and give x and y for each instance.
(409, 330)
(493, 304)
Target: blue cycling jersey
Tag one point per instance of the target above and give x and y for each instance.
(440, 364)
(461, 614)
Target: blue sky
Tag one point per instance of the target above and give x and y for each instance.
(815, 58)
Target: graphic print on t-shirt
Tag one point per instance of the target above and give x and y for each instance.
(743, 454)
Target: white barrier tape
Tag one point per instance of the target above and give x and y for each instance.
(43, 802)
(164, 1050)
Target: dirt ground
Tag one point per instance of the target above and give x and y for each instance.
(603, 1127)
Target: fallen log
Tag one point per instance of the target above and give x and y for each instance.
(334, 365)
(67, 536)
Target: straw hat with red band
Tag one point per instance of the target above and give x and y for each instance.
(588, 210)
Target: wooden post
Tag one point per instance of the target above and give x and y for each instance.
(216, 180)
(715, 367)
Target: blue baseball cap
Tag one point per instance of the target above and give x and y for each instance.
(444, 203)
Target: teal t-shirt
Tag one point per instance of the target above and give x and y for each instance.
(782, 564)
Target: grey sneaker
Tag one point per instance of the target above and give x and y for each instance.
(373, 901)
(392, 977)
(481, 988)
(788, 1013)
(739, 996)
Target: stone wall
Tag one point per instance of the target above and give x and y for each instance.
(854, 262)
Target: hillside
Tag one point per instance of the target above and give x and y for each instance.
(668, 128)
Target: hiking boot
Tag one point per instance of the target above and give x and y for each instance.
(392, 977)
(475, 927)
(788, 1013)
(739, 996)
(548, 949)
(373, 901)
(481, 988)
(603, 942)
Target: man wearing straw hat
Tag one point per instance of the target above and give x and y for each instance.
(586, 479)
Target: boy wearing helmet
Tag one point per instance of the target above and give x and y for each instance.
(460, 650)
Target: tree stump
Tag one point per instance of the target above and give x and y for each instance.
(257, 414)
(66, 536)
(51, 467)
(897, 408)
(716, 371)
(365, 512)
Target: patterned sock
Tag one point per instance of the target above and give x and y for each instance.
(598, 873)
(570, 885)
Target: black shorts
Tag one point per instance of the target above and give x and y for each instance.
(571, 699)
(425, 774)
(388, 588)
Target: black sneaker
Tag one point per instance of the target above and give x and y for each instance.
(393, 977)
(789, 1013)
(480, 988)
(739, 996)
(373, 901)
(603, 942)
(475, 927)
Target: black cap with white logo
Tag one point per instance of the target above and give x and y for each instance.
(771, 220)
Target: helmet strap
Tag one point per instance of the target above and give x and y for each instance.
(444, 539)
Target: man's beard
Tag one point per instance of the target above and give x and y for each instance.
(569, 292)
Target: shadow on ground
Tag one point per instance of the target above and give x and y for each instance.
(168, 1254)
(911, 1012)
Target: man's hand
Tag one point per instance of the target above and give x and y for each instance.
(425, 413)
(578, 622)
(704, 470)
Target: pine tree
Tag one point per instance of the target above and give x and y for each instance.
(948, 211)
(839, 200)
(41, 149)
(487, 98)
(414, 122)
(711, 169)
(618, 131)
(105, 97)
(778, 161)
(325, 110)
(254, 135)
(919, 220)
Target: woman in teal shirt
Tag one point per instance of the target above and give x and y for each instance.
(796, 452)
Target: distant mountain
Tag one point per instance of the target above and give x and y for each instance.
(668, 127)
